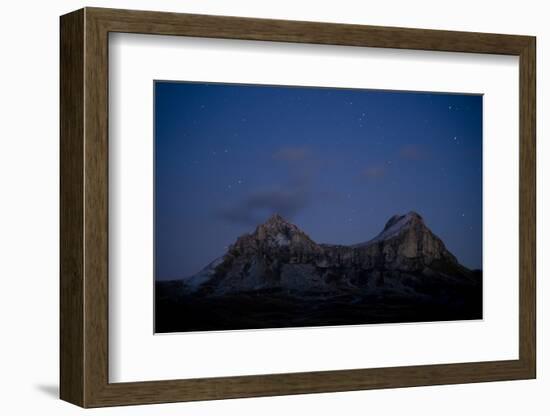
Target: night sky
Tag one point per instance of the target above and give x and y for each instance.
(338, 163)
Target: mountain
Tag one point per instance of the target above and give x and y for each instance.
(280, 255)
(277, 276)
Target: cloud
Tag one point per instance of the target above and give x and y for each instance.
(374, 172)
(413, 152)
(287, 198)
(259, 205)
(292, 154)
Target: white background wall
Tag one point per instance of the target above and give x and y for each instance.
(30, 193)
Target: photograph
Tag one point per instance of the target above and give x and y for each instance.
(273, 204)
(282, 206)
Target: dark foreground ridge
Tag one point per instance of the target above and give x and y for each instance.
(278, 276)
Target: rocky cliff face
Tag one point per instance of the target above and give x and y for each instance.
(278, 255)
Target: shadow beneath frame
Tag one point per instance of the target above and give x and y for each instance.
(51, 390)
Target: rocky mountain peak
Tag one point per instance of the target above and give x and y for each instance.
(398, 224)
(403, 219)
(274, 234)
(280, 230)
(276, 219)
(276, 223)
(279, 254)
(273, 273)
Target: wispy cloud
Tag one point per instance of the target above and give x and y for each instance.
(413, 152)
(287, 198)
(260, 204)
(374, 172)
(292, 154)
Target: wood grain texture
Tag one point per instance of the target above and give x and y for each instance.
(527, 208)
(72, 215)
(162, 23)
(96, 219)
(84, 207)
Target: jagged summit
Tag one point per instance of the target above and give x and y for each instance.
(276, 219)
(399, 223)
(276, 223)
(275, 232)
(409, 217)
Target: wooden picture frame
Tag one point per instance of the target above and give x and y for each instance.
(84, 207)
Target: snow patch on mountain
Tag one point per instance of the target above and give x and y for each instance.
(282, 240)
(195, 281)
(395, 226)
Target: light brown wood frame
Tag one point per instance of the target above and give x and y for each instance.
(84, 207)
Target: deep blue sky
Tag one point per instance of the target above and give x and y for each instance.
(336, 162)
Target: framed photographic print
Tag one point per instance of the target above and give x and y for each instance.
(261, 207)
